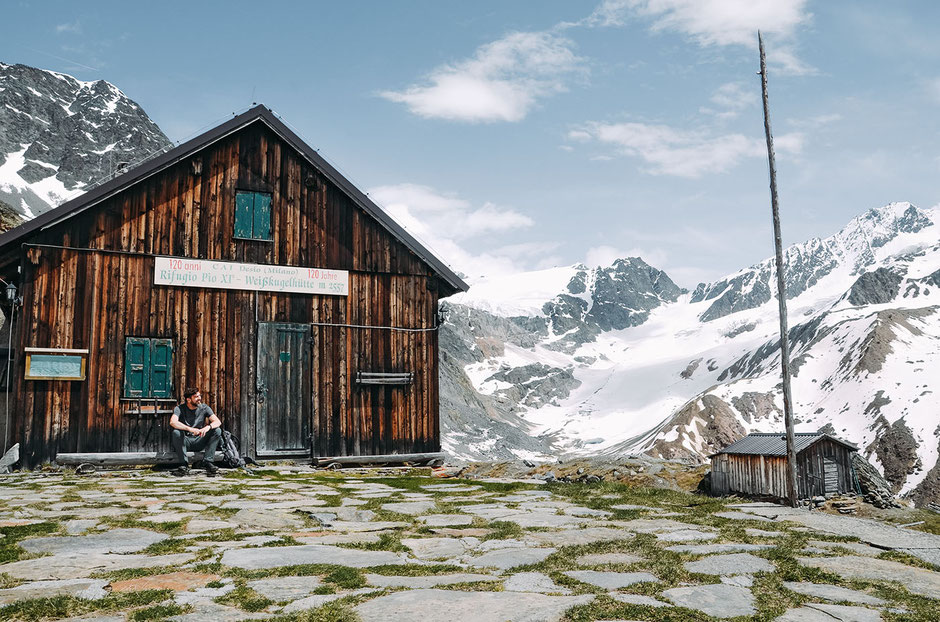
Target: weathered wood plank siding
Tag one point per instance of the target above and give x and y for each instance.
(82, 299)
(761, 475)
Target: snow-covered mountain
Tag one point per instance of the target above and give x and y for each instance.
(619, 360)
(61, 136)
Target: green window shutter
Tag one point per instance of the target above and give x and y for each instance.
(244, 214)
(137, 367)
(161, 367)
(262, 225)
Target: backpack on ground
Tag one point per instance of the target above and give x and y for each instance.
(231, 458)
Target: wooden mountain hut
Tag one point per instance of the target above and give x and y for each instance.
(757, 465)
(240, 262)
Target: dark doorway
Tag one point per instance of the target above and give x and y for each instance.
(283, 389)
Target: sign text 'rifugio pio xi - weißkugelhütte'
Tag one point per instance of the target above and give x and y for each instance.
(184, 272)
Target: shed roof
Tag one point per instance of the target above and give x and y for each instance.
(775, 443)
(258, 113)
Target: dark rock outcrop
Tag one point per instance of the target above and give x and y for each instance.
(875, 489)
(877, 287)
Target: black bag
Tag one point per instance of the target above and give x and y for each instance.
(231, 458)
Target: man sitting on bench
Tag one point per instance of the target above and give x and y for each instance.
(195, 428)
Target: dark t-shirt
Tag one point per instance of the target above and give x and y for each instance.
(193, 418)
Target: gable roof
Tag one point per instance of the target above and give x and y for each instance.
(259, 113)
(775, 443)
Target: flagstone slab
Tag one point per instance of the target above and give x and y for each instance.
(86, 589)
(732, 564)
(77, 566)
(638, 599)
(685, 535)
(710, 549)
(601, 559)
(176, 581)
(471, 532)
(653, 525)
(742, 516)
(446, 520)
(544, 519)
(916, 580)
(275, 557)
(510, 558)
(578, 537)
(816, 612)
(428, 581)
(412, 508)
(209, 611)
(611, 580)
(79, 526)
(760, 533)
(188, 506)
(318, 600)
(352, 537)
(438, 548)
(833, 593)
(357, 526)
(533, 582)
(200, 525)
(166, 517)
(631, 506)
(857, 548)
(280, 589)
(450, 487)
(266, 520)
(114, 541)
(430, 605)
(717, 600)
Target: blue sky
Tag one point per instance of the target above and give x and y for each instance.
(518, 135)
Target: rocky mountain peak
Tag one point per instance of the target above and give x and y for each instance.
(62, 135)
(858, 246)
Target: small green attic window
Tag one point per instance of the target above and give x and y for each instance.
(252, 215)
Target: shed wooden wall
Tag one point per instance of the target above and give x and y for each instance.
(767, 475)
(82, 299)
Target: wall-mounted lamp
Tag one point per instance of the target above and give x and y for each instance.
(10, 294)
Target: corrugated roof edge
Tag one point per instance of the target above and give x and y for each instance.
(817, 437)
(171, 157)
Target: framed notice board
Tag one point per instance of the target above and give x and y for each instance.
(55, 363)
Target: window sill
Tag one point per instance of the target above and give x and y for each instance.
(269, 240)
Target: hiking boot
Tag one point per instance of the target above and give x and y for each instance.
(181, 471)
(210, 468)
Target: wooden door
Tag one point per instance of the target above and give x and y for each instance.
(831, 474)
(283, 389)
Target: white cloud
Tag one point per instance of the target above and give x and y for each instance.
(730, 100)
(670, 151)
(817, 122)
(503, 80)
(74, 27)
(451, 227)
(717, 22)
(722, 22)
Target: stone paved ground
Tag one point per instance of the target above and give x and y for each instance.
(379, 546)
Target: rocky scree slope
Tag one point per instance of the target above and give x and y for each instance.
(62, 136)
(680, 375)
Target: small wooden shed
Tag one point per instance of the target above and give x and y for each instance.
(757, 465)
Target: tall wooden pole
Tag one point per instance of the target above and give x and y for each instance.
(792, 491)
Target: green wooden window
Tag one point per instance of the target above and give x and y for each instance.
(148, 367)
(253, 215)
